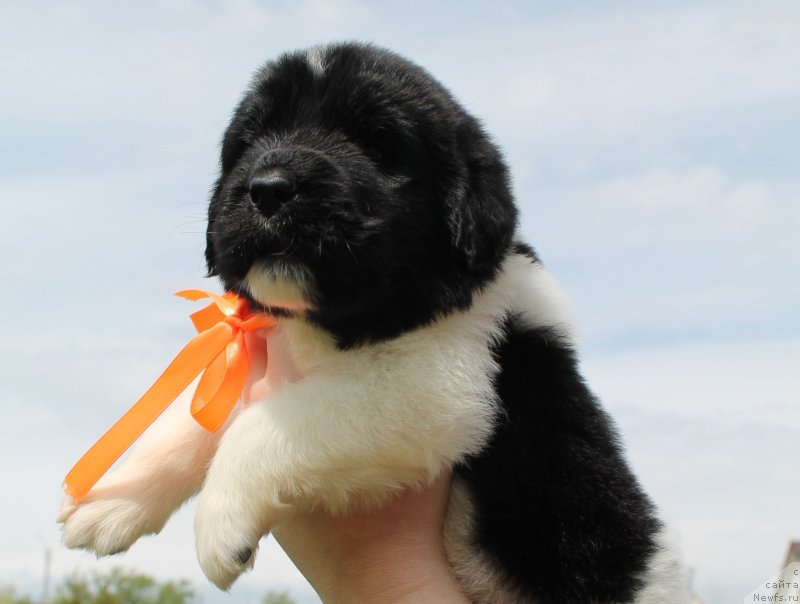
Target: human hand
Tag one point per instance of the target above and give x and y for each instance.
(390, 555)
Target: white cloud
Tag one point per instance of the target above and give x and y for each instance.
(732, 382)
(623, 70)
(703, 204)
(659, 191)
(671, 252)
(530, 90)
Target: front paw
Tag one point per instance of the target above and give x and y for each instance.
(227, 532)
(107, 525)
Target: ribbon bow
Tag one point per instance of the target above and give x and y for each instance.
(218, 351)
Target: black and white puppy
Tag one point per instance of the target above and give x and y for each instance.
(360, 204)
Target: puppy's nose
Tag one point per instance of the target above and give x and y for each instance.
(271, 190)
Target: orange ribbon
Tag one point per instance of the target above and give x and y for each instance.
(218, 351)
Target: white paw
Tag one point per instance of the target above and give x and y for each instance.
(227, 532)
(107, 525)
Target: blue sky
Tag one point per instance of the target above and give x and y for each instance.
(655, 148)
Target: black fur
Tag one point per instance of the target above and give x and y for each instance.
(399, 205)
(402, 206)
(557, 506)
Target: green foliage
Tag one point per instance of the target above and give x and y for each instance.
(8, 596)
(277, 597)
(122, 587)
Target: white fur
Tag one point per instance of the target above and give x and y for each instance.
(281, 285)
(337, 428)
(360, 422)
(539, 300)
(475, 571)
(666, 580)
(336, 424)
(316, 60)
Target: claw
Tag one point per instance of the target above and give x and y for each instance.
(244, 555)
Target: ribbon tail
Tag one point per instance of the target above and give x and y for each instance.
(207, 317)
(186, 366)
(192, 294)
(221, 386)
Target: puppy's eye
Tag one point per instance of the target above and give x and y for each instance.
(375, 154)
(385, 158)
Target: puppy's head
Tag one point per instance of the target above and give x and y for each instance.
(355, 190)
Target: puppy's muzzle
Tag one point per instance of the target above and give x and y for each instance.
(291, 173)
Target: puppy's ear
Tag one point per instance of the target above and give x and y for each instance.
(482, 216)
